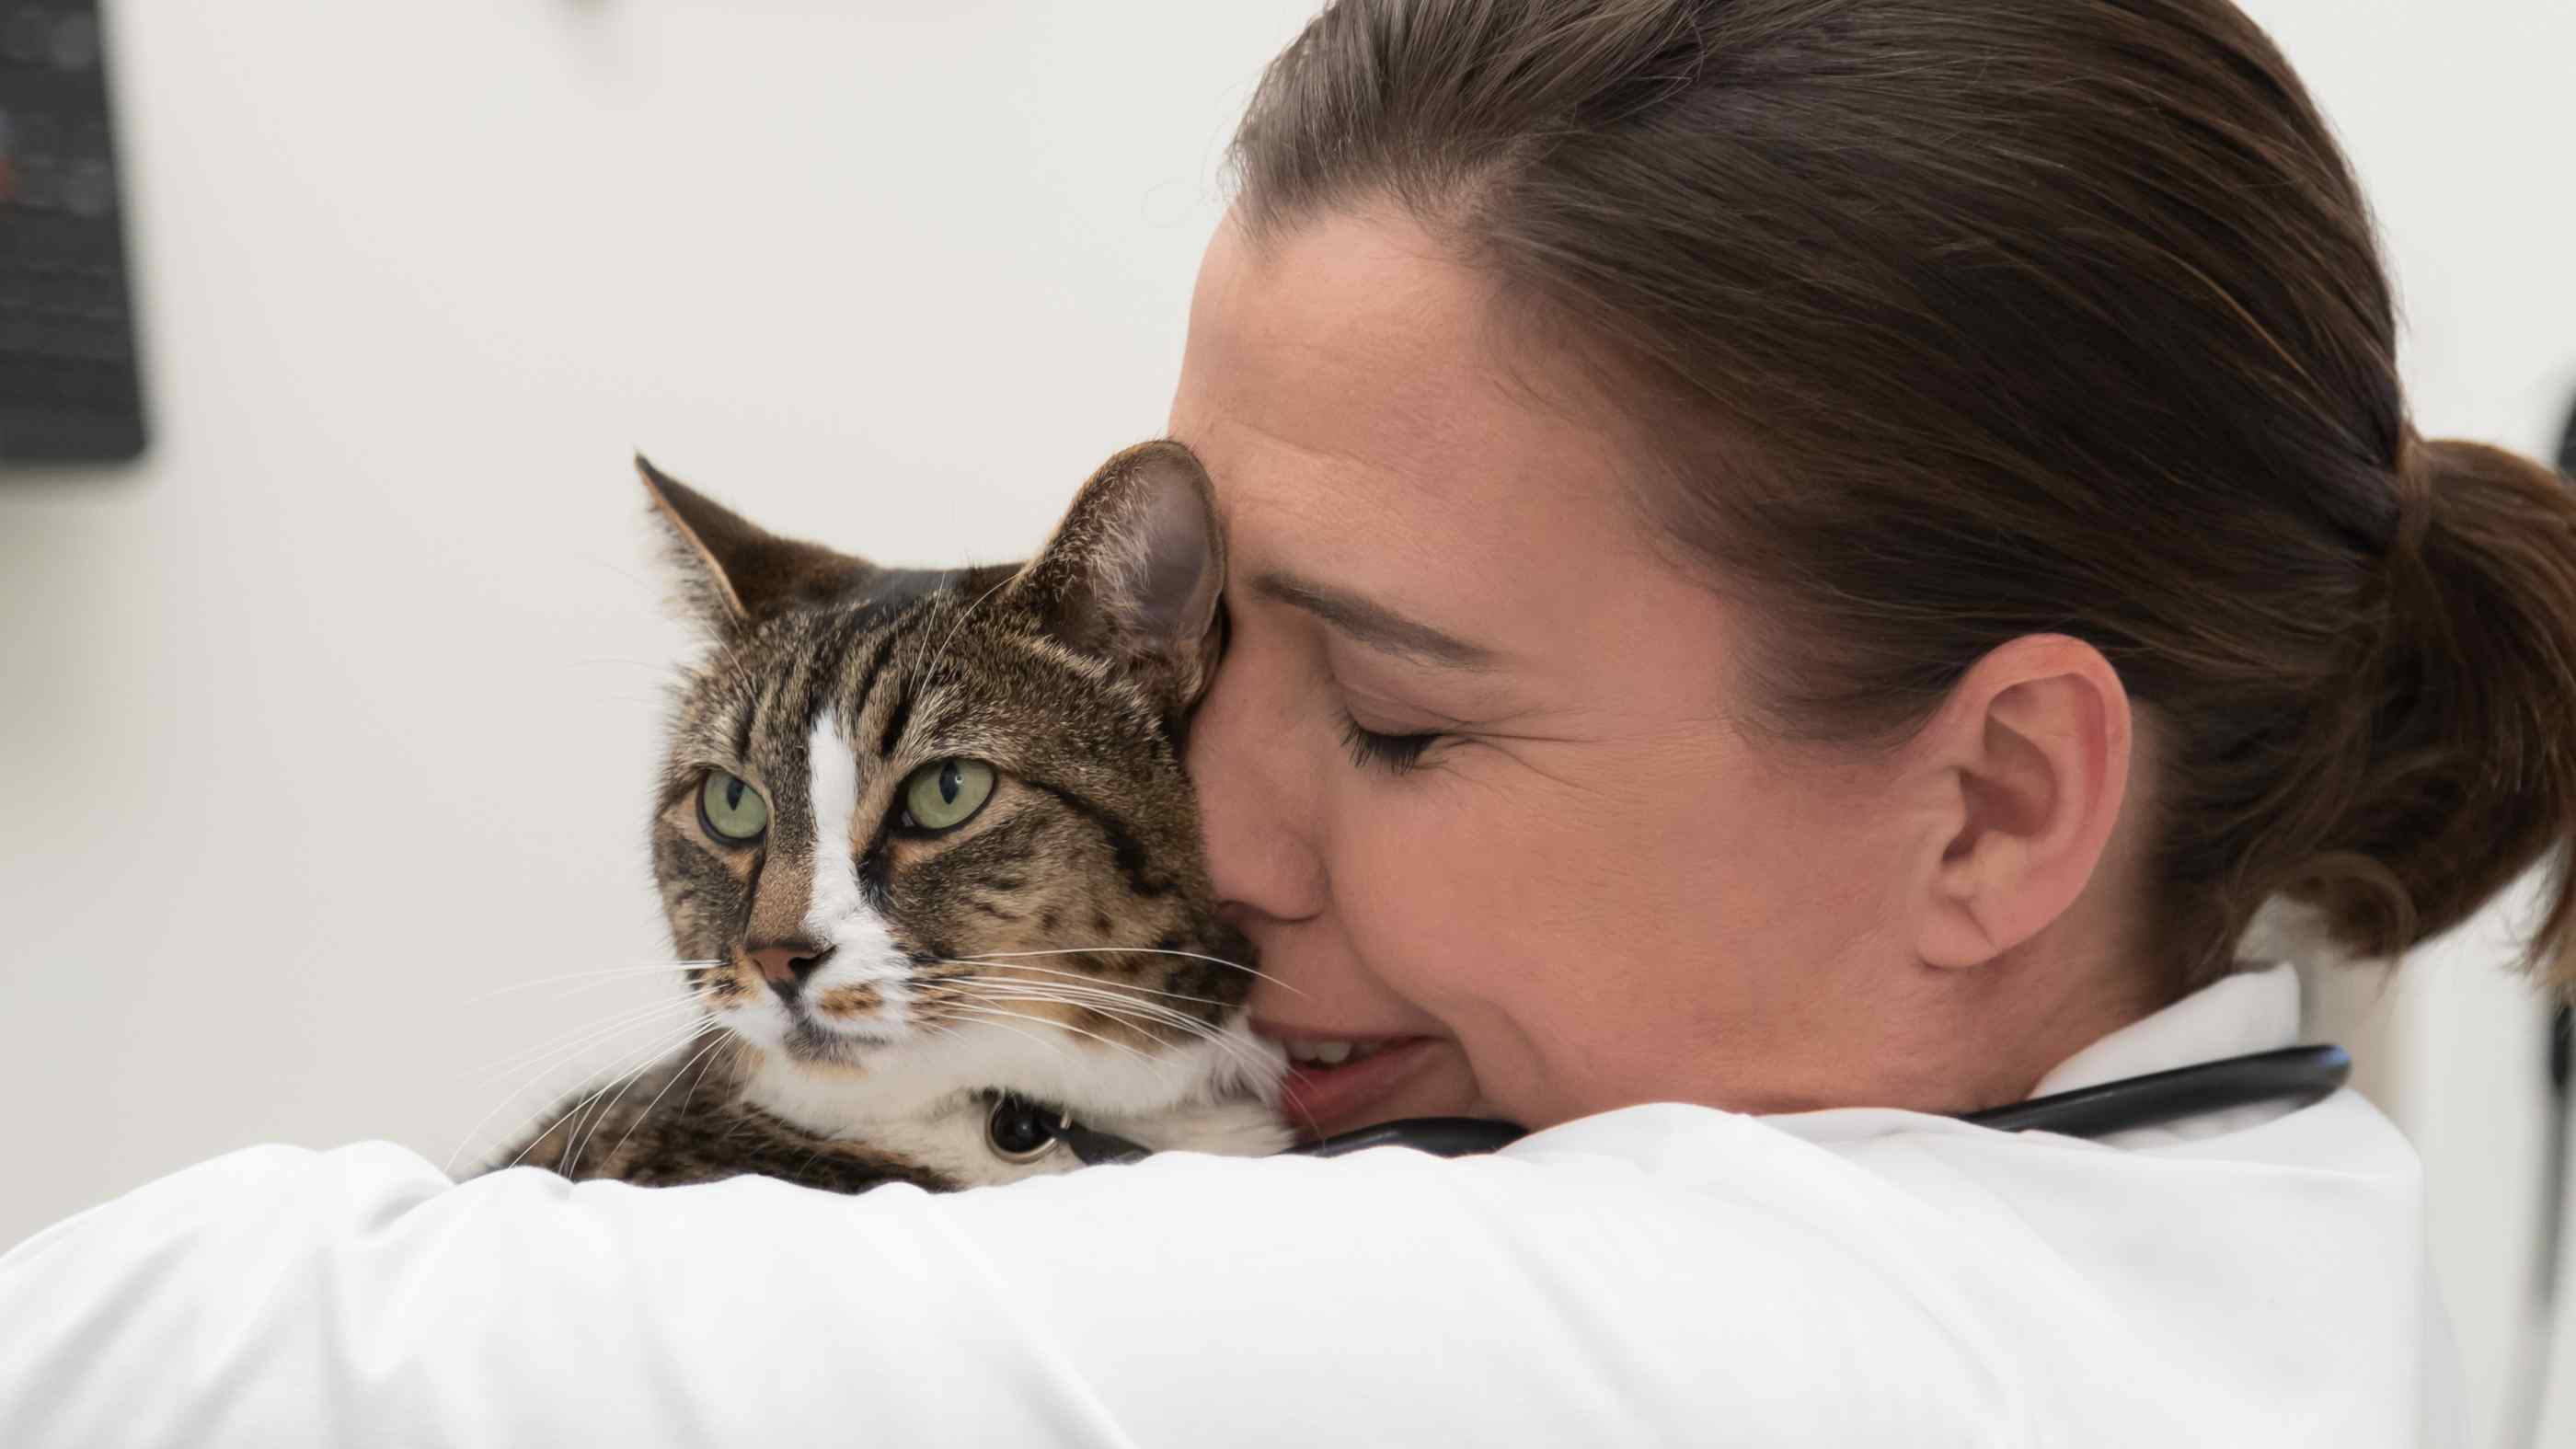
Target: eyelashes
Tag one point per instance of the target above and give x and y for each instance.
(1394, 754)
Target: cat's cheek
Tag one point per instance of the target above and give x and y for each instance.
(859, 1002)
(753, 1021)
(705, 893)
(735, 998)
(728, 988)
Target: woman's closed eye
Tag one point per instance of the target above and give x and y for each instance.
(1395, 754)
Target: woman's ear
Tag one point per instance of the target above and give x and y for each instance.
(1134, 572)
(2024, 770)
(733, 573)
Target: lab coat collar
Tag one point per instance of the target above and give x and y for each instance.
(2255, 1010)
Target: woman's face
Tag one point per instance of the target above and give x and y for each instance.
(1474, 768)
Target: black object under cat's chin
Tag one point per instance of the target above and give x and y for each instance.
(1031, 1129)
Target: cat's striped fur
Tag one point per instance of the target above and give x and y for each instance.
(1063, 944)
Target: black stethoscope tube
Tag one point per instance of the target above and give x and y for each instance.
(2296, 1075)
(2299, 1075)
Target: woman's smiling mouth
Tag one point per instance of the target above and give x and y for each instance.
(1336, 1083)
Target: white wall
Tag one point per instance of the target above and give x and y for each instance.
(334, 717)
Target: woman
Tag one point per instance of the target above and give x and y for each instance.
(1815, 558)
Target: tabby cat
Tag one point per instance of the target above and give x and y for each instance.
(928, 839)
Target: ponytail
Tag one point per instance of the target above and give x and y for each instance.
(2467, 713)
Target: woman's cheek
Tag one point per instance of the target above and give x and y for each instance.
(1447, 898)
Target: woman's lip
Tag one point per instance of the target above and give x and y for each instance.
(1324, 1100)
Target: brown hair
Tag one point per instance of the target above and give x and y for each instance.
(1958, 320)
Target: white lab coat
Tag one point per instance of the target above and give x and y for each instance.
(1659, 1275)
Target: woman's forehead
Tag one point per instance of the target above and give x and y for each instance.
(1356, 403)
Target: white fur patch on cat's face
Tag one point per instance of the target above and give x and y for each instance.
(864, 953)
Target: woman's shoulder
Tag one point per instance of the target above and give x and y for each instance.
(1633, 1277)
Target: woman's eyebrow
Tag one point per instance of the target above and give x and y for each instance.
(1374, 624)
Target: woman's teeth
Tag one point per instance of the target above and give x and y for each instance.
(1330, 1053)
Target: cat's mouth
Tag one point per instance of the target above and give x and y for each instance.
(821, 1023)
(808, 1040)
(839, 1021)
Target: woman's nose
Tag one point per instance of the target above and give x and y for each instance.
(1258, 814)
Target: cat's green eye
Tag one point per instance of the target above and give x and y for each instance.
(945, 794)
(731, 811)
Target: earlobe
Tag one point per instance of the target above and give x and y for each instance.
(2030, 757)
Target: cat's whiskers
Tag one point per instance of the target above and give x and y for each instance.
(1314, 1129)
(588, 1115)
(1057, 1047)
(999, 1018)
(579, 1037)
(1101, 1001)
(524, 1123)
(546, 1064)
(1089, 978)
(990, 1011)
(528, 1079)
(1110, 1002)
(1253, 971)
(507, 1097)
(637, 1075)
(609, 973)
(1156, 1031)
(712, 1029)
(1234, 1046)
(651, 1053)
(1248, 1055)
(738, 1045)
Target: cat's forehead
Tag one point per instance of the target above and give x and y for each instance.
(925, 647)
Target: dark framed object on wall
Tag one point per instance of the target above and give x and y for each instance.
(70, 384)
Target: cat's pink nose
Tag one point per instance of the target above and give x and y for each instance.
(786, 965)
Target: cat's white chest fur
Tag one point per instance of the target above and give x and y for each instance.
(924, 1102)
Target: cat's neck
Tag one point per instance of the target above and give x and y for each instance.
(1101, 1080)
(927, 1102)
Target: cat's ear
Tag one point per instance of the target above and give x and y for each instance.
(732, 572)
(1134, 572)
